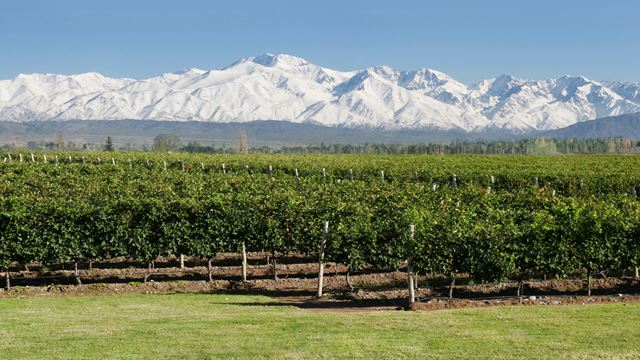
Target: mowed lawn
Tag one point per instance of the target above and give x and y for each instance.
(196, 326)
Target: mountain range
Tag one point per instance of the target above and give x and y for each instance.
(289, 88)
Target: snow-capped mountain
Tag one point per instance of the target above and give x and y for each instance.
(285, 87)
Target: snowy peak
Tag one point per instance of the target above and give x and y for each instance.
(500, 86)
(191, 72)
(280, 60)
(361, 80)
(286, 87)
(425, 79)
(290, 65)
(46, 83)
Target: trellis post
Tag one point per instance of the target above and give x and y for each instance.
(323, 244)
(410, 276)
(244, 262)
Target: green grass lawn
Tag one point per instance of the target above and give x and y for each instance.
(231, 326)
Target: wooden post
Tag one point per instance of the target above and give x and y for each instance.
(410, 278)
(210, 269)
(323, 244)
(7, 280)
(244, 262)
(181, 261)
(453, 283)
(76, 273)
(274, 261)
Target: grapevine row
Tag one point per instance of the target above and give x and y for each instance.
(79, 213)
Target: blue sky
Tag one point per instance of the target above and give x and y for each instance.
(470, 40)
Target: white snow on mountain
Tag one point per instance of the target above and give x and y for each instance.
(285, 87)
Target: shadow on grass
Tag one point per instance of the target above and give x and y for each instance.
(305, 299)
(329, 305)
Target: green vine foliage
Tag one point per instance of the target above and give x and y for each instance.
(506, 229)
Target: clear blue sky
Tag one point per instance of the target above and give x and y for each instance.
(470, 40)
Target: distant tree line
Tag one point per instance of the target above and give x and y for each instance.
(528, 146)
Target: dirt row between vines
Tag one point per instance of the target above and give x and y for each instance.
(296, 285)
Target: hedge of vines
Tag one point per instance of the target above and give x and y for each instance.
(581, 213)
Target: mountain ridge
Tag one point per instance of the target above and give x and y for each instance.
(626, 126)
(289, 88)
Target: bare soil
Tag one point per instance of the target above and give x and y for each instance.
(296, 285)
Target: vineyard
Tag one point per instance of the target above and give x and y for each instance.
(493, 218)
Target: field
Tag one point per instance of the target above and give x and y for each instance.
(225, 326)
(492, 218)
(466, 234)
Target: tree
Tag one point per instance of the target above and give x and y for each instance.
(242, 144)
(59, 142)
(166, 142)
(108, 146)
